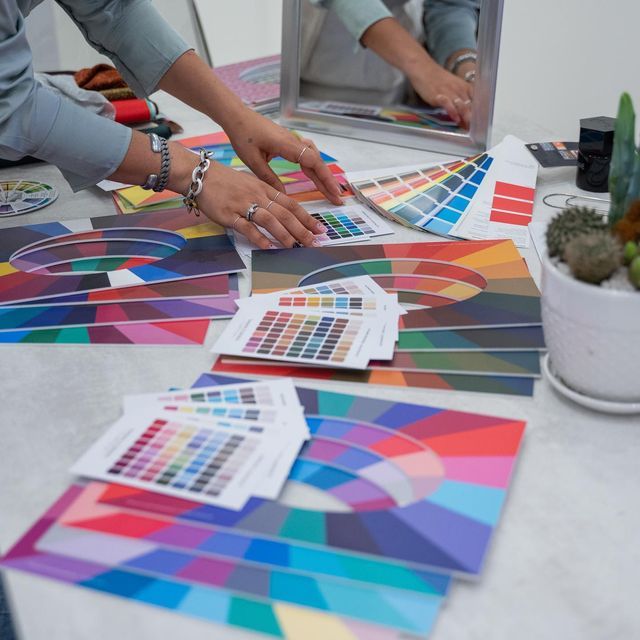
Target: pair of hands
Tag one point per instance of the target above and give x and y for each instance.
(227, 194)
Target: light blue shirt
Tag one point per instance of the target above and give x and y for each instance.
(38, 122)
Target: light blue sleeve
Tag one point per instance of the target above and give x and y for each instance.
(356, 15)
(36, 121)
(450, 25)
(133, 34)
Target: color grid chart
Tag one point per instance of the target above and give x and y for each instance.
(503, 207)
(273, 393)
(23, 196)
(207, 461)
(266, 414)
(432, 199)
(322, 339)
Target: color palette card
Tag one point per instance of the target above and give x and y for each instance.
(503, 205)
(344, 225)
(216, 461)
(324, 339)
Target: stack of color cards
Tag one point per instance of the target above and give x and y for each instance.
(344, 225)
(150, 278)
(358, 546)
(472, 324)
(135, 199)
(235, 445)
(343, 323)
(486, 196)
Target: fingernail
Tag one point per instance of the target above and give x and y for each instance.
(320, 227)
(272, 246)
(316, 243)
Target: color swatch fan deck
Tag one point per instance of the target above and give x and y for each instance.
(24, 196)
(486, 196)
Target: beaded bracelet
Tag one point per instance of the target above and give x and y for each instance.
(197, 178)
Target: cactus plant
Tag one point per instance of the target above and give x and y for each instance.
(634, 272)
(593, 257)
(623, 158)
(569, 224)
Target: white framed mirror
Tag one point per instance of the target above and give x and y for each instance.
(331, 84)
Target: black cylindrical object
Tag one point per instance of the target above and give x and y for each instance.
(594, 153)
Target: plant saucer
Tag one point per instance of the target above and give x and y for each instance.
(604, 406)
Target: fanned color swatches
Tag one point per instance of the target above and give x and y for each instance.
(489, 195)
(24, 196)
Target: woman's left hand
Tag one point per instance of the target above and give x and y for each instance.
(257, 140)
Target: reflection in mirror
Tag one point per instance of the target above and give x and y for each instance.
(403, 61)
(423, 65)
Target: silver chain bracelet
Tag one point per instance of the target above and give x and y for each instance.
(197, 180)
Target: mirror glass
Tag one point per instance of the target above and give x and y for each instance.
(423, 66)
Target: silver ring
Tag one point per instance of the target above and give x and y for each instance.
(301, 154)
(233, 226)
(251, 211)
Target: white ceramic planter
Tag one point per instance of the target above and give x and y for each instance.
(593, 336)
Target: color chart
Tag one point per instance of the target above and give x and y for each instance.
(401, 477)
(458, 284)
(178, 333)
(177, 455)
(432, 199)
(112, 574)
(330, 340)
(141, 244)
(23, 196)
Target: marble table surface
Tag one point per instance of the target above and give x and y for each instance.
(564, 560)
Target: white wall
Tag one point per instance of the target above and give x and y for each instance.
(562, 60)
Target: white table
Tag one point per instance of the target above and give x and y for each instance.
(564, 562)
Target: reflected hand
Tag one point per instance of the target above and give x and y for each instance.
(440, 88)
(227, 195)
(257, 140)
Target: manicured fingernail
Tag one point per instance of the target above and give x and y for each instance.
(320, 228)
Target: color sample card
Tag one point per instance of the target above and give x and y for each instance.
(24, 196)
(401, 477)
(555, 154)
(212, 460)
(459, 285)
(508, 385)
(503, 206)
(257, 82)
(197, 249)
(111, 574)
(319, 339)
(176, 333)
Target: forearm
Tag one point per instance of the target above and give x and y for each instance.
(140, 161)
(392, 42)
(193, 82)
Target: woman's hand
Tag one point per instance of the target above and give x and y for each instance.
(257, 140)
(440, 88)
(228, 194)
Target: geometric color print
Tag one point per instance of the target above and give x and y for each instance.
(506, 363)
(170, 333)
(185, 595)
(197, 249)
(508, 385)
(23, 196)
(419, 485)
(431, 199)
(487, 281)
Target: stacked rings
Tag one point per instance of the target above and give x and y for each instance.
(251, 211)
